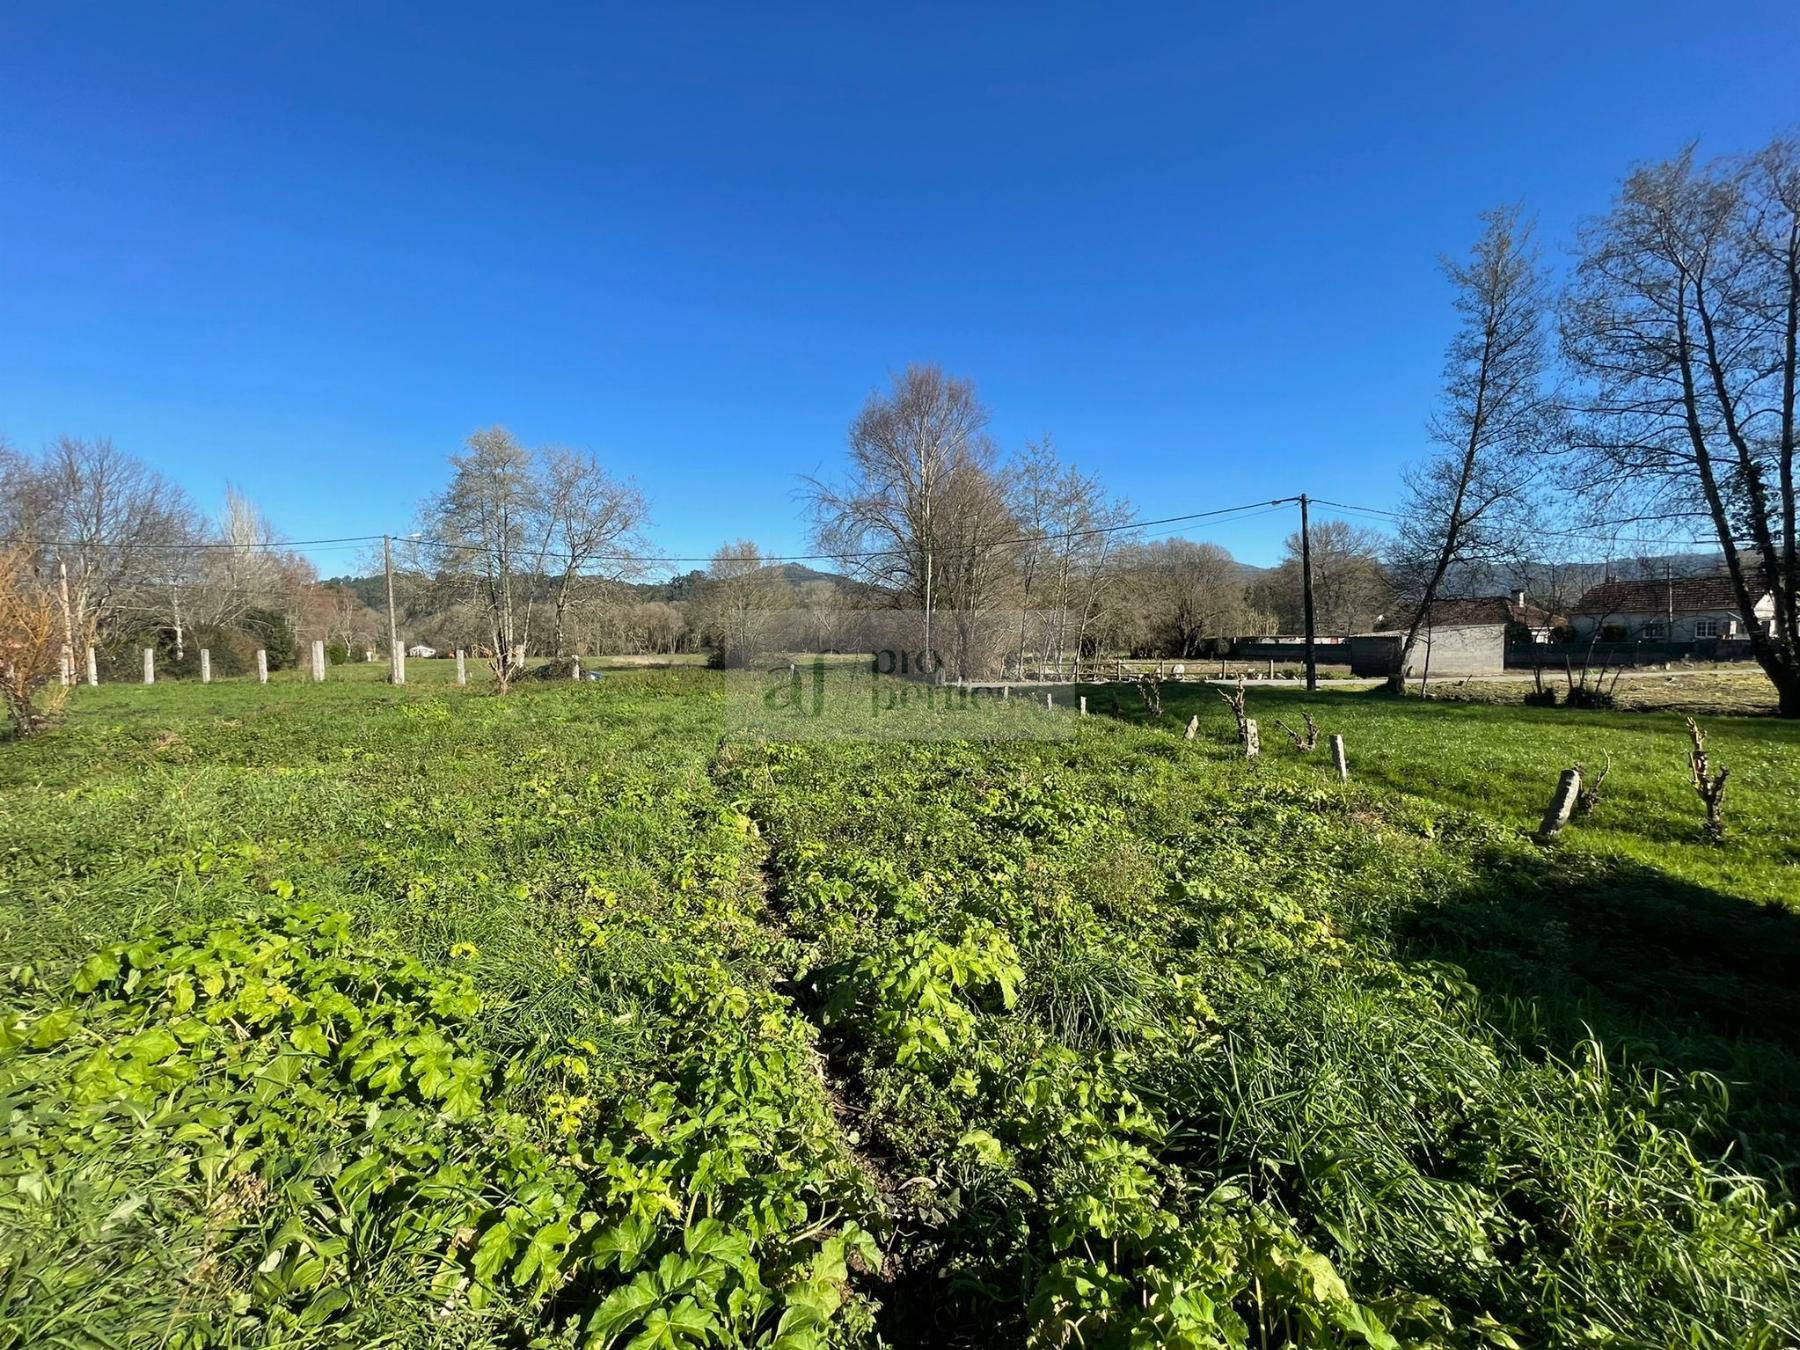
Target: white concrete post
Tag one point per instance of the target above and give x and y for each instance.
(205, 666)
(575, 668)
(149, 666)
(262, 666)
(1562, 802)
(462, 669)
(1006, 693)
(1048, 705)
(397, 664)
(93, 667)
(369, 655)
(1084, 705)
(318, 660)
(1193, 727)
(1252, 739)
(1337, 758)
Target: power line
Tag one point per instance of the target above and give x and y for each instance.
(269, 546)
(846, 555)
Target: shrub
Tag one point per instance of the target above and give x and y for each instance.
(31, 647)
(271, 631)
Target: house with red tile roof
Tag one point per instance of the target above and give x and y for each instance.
(1672, 609)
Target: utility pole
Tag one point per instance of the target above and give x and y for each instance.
(387, 559)
(1306, 589)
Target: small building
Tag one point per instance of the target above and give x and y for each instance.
(1458, 638)
(421, 650)
(1672, 609)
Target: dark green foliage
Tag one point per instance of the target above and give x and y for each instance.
(270, 630)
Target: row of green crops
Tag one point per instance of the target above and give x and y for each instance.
(1148, 1058)
(442, 1021)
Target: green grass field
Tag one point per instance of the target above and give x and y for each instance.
(357, 1015)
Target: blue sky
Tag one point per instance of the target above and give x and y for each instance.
(309, 248)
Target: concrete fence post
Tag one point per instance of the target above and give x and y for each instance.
(205, 666)
(318, 661)
(149, 665)
(1005, 693)
(1252, 739)
(575, 668)
(93, 667)
(462, 669)
(262, 666)
(397, 664)
(1049, 705)
(1562, 803)
(1337, 758)
(1084, 705)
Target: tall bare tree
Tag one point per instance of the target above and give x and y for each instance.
(1068, 529)
(1684, 319)
(593, 522)
(490, 536)
(119, 527)
(1471, 500)
(1351, 588)
(892, 518)
(741, 590)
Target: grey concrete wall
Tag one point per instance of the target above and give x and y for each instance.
(1468, 649)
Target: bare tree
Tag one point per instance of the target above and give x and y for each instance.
(491, 536)
(1684, 319)
(740, 592)
(229, 566)
(593, 521)
(977, 538)
(908, 449)
(1176, 595)
(119, 528)
(1471, 500)
(1351, 588)
(1069, 529)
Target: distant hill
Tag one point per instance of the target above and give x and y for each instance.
(372, 590)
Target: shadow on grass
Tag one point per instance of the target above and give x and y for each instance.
(1669, 976)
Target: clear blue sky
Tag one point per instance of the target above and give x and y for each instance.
(309, 247)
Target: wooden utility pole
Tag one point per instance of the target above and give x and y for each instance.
(1306, 591)
(387, 561)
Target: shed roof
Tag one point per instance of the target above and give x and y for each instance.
(1489, 609)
